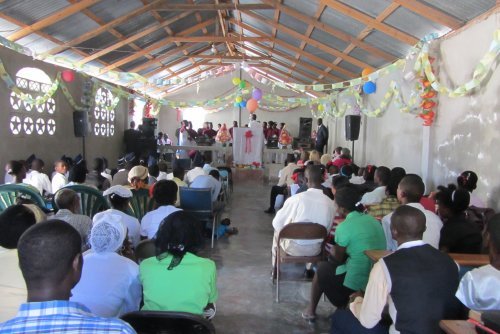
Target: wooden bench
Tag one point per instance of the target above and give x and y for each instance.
(473, 260)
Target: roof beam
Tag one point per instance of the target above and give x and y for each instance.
(430, 12)
(282, 55)
(296, 49)
(371, 22)
(133, 38)
(213, 7)
(51, 19)
(90, 34)
(156, 45)
(235, 57)
(310, 41)
(223, 26)
(277, 14)
(158, 59)
(315, 23)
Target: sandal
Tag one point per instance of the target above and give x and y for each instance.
(308, 317)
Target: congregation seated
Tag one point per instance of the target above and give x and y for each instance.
(458, 235)
(153, 174)
(68, 203)
(95, 177)
(410, 191)
(418, 282)
(344, 158)
(314, 157)
(381, 178)
(51, 262)
(125, 164)
(390, 202)
(16, 171)
(78, 175)
(178, 178)
(176, 279)
(197, 170)
(119, 198)
(38, 179)
(165, 196)
(368, 176)
(284, 182)
(348, 268)
(13, 222)
(478, 289)
(109, 285)
(210, 181)
(311, 206)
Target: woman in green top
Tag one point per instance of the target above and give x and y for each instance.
(176, 279)
(348, 267)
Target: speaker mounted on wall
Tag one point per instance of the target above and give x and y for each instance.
(352, 126)
(80, 123)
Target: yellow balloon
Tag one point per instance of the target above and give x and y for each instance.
(321, 108)
(236, 81)
(239, 99)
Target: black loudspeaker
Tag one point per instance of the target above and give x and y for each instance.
(149, 127)
(305, 127)
(80, 123)
(352, 125)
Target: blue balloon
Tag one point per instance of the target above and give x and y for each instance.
(369, 87)
(243, 104)
(236, 104)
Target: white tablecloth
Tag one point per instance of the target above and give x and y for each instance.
(244, 154)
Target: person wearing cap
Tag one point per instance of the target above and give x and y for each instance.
(138, 177)
(109, 285)
(125, 164)
(119, 197)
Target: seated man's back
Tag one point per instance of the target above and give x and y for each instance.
(51, 262)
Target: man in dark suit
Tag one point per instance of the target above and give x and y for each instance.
(321, 136)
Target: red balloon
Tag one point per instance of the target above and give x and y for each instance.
(252, 105)
(68, 75)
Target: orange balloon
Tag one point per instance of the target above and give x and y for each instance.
(366, 71)
(252, 105)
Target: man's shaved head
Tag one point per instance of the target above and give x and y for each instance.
(407, 223)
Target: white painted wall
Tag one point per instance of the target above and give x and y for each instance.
(463, 137)
(51, 148)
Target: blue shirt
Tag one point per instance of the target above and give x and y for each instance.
(61, 316)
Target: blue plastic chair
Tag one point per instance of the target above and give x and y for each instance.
(9, 193)
(198, 202)
(91, 199)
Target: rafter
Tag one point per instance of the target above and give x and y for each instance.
(292, 48)
(159, 58)
(191, 76)
(51, 19)
(157, 45)
(234, 57)
(133, 38)
(277, 14)
(224, 29)
(213, 7)
(430, 12)
(90, 34)
(310, 41)
(371, 22)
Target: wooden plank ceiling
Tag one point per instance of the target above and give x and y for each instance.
(195, 37)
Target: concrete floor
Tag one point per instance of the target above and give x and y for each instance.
(246, 294)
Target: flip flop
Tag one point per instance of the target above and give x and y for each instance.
(308, 317)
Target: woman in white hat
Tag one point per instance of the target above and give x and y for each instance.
(109, 285)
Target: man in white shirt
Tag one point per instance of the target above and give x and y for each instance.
(59, 179)
(311, 206)
(283, 183)
(381, 178)
(254, 123)
(417, 281)
(410, 191)
(38, 179)
(197, 170)
(119, 197)
(209, 181)
(165, 195)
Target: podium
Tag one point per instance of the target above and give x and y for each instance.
(248, 149)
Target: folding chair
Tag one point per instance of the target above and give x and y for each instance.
(198, 202)
(224, 178)
(140, 203)
(9, 194)
(156, 322)
(298, 231)
(91, 200)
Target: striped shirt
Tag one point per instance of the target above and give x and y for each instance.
(61, 316)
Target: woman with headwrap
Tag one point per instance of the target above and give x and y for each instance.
(176, 279)
(110, 284)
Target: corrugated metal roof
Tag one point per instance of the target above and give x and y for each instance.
(37, 43)
(341, 22)
(71, 27)
(288, 39)
(305, 7)
(463, 10)
(387, 43)
(31, 11)
(151, 38)
(117, 54)
(293, 23)
(138, 23)
(328, 40)
(7, 28)
(109, 10)
(257, 24)
(372, 7)
(413, 24)
(367, 57)
(99, 42)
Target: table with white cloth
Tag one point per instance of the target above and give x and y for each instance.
(247, 150)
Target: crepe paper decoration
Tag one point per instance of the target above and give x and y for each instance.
(223, 135)
(248, 142)
(285, 138)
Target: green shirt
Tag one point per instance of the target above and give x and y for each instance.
(357, 233)
(188, 287)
